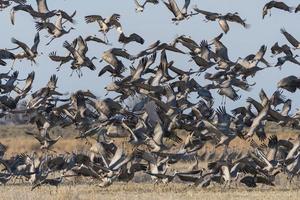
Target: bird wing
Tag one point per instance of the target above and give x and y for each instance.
(224, 25)
(20, 44)
(4, 54)
(56, 58)
(257, 120)
(158, 134)
(36, 42)
(172, 6)
(95, 39)
(282, 6)
(290, 38)
(137, 38)
(185, 6)
(93, 18)
(42, 6)
(81, 46)
(206, 13)
(28, 83)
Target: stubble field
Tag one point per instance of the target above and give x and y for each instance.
(134, 191)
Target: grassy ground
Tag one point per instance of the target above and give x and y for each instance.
(134, 191)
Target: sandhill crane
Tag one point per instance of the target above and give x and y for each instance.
(131, 38)
(276, 49)
(210, 16)
(234, 17)
(222, 19)
(29, 53)
(166, 126)
(283, 59)
(27, 87)
(105, 24)
(79, 55)
(61, 59)
(179, 14)
(290, 83)
(252, 181)
(49, 181)
(275, 4)
(140, 7)
(220, 49)
(10, 83)
(290, 38)
(55, 30)
(115, 65)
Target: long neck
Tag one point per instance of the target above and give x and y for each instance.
(58, 23)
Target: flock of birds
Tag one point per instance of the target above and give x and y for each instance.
(164, 127)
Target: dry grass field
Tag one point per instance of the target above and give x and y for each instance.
(134, 191)
(18, 142)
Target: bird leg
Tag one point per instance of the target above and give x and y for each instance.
(72, 73)
(79, 73)
(105, 38)
(50, 41)
(13, 64)
(13, 48)
(123, 47)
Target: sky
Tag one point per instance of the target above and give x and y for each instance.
(153, 24)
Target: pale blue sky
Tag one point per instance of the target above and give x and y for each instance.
(155, 23)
